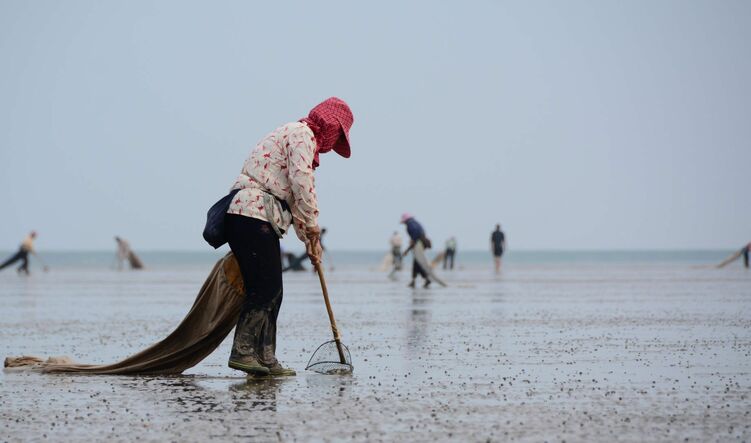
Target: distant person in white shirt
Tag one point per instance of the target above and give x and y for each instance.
(396, 250)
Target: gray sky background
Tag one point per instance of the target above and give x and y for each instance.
(577, 125)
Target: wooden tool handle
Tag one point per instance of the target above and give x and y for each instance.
(325, 291)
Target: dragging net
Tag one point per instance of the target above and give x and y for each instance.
(331, 358)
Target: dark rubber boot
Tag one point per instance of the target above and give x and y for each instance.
(277, 370)
(249, 365)
(244, 356)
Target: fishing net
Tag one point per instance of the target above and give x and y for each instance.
(328, 359)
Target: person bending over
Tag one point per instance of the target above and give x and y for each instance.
(276, 190)
(22, 255)
(416, 235)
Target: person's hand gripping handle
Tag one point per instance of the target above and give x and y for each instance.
(313, 244)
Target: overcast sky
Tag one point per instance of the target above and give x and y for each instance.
(577, 125)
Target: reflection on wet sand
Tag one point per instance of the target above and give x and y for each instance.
(419, 321)
(548, 353)
(220, 399)
(323, 386)
(257, 394)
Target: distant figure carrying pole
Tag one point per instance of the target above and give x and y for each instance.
(497, 246)
(125, 253)
(744, 251)
(27, 246)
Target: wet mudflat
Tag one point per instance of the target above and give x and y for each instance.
(543, 353)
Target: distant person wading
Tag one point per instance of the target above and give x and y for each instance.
(497, 246)
(276, 190)
(449, 254)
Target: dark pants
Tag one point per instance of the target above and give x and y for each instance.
(448, 259)
(417, 269)
(745, 256)
(256, 248)
(22, 255)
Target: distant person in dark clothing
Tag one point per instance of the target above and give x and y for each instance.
(497, 246)
(27, 246)
(416, 235)
(448, 257)
(743, 252)
(294, 263)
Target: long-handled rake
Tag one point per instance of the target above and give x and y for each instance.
(333, 356)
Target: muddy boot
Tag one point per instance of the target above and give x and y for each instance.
(277, 370)
(244, 356)
(249, 365)
(267, 339)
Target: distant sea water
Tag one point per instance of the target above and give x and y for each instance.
(373, 259)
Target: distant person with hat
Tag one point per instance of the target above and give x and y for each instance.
(417, 236)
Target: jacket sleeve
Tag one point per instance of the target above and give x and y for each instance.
(301, 148)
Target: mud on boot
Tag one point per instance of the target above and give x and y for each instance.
(248, 364)
(277, 370)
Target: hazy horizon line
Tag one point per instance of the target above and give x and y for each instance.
(385, 250)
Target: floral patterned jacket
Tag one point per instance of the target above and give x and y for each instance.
(281, 165)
